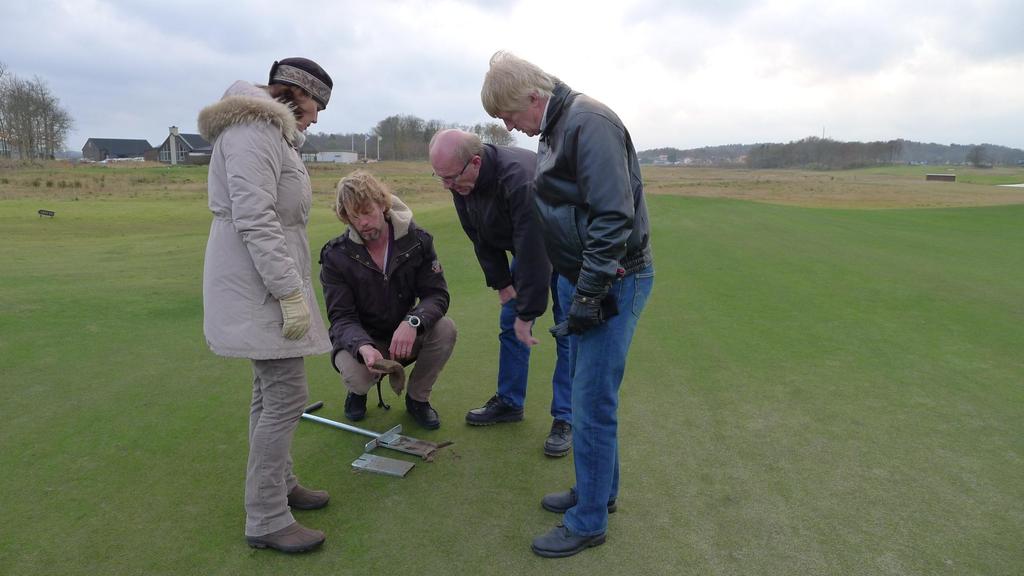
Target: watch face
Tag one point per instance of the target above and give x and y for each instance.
(413, 321)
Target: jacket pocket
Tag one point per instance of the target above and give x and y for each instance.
(570, 241)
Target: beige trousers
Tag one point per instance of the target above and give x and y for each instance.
(279, 394)
(430, 352)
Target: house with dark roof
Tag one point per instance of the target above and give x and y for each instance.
(191, 149)
(99, 149)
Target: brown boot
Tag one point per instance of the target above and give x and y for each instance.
(293, 538)
(305, 499)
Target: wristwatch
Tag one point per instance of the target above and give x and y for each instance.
(413, 321)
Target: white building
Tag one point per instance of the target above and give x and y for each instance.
(337, 157)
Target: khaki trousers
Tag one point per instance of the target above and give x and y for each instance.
(279, 394)
(430, 352)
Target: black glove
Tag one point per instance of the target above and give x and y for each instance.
(585, 313)
(560, 329)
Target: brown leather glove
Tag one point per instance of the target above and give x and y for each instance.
(395, 372)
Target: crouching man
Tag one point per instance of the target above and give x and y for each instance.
(386, 297)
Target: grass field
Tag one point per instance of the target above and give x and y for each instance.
(813, 389)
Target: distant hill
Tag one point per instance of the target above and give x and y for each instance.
(823, 153)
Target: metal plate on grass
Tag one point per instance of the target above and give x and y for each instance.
(382, 465)
(395, 441)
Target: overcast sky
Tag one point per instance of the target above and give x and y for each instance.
(679, 73)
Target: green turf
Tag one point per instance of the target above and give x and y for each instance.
(810, 392)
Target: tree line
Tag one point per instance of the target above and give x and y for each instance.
(825, 154)
(33, 124)
(729, 154)
(404, 137)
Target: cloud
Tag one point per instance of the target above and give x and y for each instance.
(679, 73)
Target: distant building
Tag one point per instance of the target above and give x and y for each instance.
(338, 157)
(308, 152)
(99, 149)
(191, 149)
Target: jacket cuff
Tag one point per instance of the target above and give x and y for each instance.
(591, 285)
(426, 321)
(354, 350)
(286, 290)
(527, 317)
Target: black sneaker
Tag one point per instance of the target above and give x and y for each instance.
(355, 406)
(496, 410)
(423, 413)
(559, 440)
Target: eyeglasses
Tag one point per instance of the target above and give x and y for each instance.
(453, 178)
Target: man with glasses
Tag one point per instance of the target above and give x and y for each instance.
(492, 188)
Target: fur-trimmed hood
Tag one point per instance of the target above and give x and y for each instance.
(245, 103)
(400, 216)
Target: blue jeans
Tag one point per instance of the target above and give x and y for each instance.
(600, 361)
(514, 357)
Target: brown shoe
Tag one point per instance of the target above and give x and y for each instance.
(293, 538)
(302, 498)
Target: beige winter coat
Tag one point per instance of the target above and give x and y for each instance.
(258, 252)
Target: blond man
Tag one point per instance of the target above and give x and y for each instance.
(386, 297)
(589, 197)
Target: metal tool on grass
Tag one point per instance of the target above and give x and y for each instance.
(392, 439)
(382, 465)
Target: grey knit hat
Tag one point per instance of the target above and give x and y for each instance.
(305, 74)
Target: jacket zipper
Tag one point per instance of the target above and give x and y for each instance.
(369, 265)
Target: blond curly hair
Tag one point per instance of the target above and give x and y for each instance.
(357, 192)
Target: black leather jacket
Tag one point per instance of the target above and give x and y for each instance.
(590, 195)
(499, 217)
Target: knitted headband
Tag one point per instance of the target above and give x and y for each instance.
(305, 74)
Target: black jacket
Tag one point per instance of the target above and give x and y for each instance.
(590, 195)
(498, 216)
(364, 303)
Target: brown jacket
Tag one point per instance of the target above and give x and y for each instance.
(365, 303)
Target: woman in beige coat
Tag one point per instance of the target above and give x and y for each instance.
(258, 298)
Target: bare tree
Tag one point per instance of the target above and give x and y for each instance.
(494, 133)
(406, 137)
(5, 151)
(32, 121)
